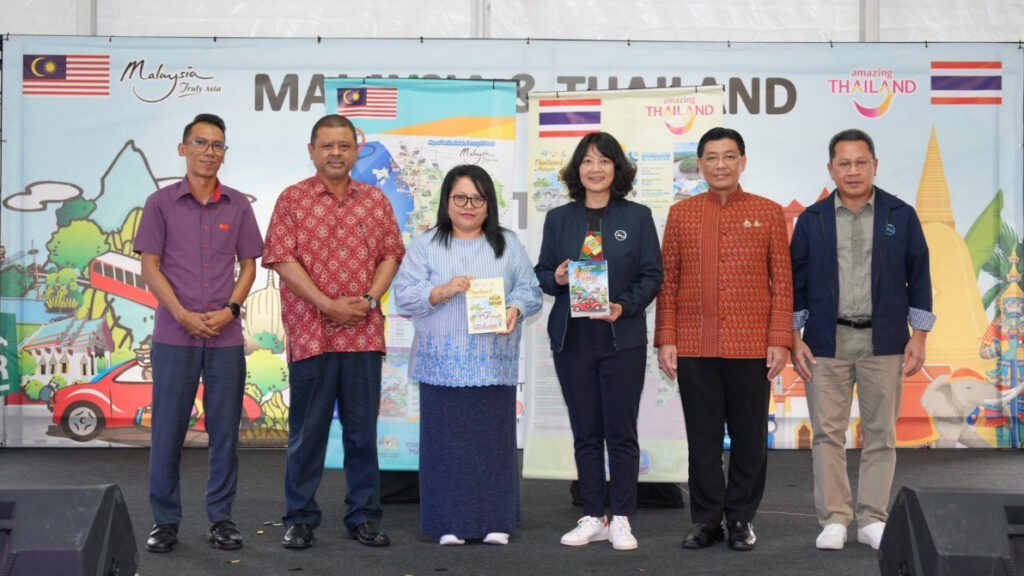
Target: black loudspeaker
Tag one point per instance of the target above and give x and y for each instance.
(954, 533)
(66, 532)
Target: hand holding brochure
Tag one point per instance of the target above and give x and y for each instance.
(485, 305)
(588, 288)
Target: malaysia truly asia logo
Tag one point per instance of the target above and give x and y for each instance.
(679, 113)
(156, 83)
(872, 90)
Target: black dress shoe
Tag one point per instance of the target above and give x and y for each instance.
(703, 535)
(298, 537)
(741, 536)
(162, 538)
(369, 534)
(224, 536)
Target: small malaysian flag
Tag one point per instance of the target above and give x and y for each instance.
(65, 75)
(967, 82)
(562, 118)
(367, 102)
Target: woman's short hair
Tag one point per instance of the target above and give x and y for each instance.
(609, 147)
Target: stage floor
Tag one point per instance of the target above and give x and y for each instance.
(785, 525)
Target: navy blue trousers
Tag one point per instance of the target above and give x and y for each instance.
(176, 374)
(602, 387)
(350, 380)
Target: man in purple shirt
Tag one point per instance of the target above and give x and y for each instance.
(190, 236)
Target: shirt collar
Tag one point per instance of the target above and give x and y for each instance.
(185, 189)
(321, 188)
(839, 202)
(732, 198)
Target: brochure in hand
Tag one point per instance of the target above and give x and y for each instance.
(485, 305)
(588, 288)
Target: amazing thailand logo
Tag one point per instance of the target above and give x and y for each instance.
(872, 90)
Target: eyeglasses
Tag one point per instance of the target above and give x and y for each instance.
(461, 200)
(844, 165)
(203, 144)
(714, 158)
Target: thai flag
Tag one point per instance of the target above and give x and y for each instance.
(564, 118)
(967, 82)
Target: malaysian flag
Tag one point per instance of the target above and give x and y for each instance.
(65, 75)
(967, 82)
(563, 118)
(367, 102)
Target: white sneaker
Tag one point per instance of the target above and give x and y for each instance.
(588, 529)
(620, 534)
(833, 537)
(871, 534)
(499, 538)
(451, 540)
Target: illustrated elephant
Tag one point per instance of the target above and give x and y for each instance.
(950, 401)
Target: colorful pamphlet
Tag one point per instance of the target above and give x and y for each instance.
(588, 288)
(485, 305)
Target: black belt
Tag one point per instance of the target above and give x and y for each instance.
(858, 324)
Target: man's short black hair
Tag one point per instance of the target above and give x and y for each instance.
(720, 133)
(850, 135)
(332, 121)
(205, 118)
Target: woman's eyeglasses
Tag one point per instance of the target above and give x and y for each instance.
(461, 200)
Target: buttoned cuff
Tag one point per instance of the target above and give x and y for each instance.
(800, 319)
(921, 320)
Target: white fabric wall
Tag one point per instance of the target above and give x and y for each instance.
(697, 20)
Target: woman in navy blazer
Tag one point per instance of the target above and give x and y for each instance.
(601, 361)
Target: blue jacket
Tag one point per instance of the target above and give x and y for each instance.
(900, 277)
(630, 244)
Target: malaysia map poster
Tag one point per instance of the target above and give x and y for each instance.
(410, 133)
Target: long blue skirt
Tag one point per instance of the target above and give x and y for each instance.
(469, 465)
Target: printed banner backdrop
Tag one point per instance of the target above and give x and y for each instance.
(90, 128)
(658, 130)
(411, 133)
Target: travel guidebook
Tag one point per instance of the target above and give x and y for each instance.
(588, 288)
(485, 305)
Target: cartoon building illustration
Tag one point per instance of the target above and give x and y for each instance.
(70, 348)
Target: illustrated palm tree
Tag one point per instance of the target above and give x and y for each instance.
(998, 264)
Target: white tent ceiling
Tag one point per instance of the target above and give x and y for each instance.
(692, 20)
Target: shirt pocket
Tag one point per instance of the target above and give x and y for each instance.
(225, 237)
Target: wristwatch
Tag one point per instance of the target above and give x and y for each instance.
(371, 300)
(235, 309)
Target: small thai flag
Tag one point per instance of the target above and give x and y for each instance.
(967, 82)
(562, 118)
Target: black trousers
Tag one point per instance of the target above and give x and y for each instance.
(602, 387)
(719, 392)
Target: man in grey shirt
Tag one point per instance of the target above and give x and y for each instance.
(860, 275)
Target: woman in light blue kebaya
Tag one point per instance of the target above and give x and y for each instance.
(469, 465)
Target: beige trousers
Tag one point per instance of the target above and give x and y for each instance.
(879, 383)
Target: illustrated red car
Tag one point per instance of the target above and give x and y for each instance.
(586, 305)
(114, 399)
